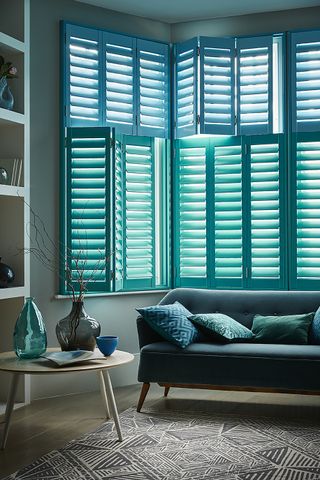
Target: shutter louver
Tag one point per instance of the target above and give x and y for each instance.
(83, 83)
(266, 219)
(120, 78)
(88, 206)
(138, 216)
(191, 216)
(306, 81)
(217, 85)
(228, 234)
(186, 79)
(255, 85)
(153, 89)
(307, 212)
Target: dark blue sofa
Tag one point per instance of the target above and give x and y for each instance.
(233, 366)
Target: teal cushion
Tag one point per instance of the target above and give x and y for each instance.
(222, 327)
(286, 329)
(315, 329)
(171, 322)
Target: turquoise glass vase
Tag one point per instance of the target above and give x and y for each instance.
(30, 337)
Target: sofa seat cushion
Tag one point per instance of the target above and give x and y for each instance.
(243, 365)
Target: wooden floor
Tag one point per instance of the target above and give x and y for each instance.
(48, 424)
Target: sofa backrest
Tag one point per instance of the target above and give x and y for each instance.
(242, 305)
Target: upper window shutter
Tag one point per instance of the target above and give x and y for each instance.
(88, 206)
(227, 239)
(153, 89)
(190, 213)
(265, 213)
(217, 113)
(186, 80)
(119, 57)
(83, 76)
(254, 85)
(305, 81)
(305, 265)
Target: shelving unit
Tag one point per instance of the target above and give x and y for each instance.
(14, 200)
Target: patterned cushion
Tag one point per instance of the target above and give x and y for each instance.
(222, 327)
(171, 322)
(315, 329)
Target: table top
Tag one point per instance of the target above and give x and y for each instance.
(9, 362)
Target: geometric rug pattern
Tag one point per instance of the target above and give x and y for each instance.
(175, 445)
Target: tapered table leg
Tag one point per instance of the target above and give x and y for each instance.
(103, 393)
(112, 404)
(9, 408)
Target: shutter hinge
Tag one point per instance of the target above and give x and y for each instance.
(112, 142)
(198, 119)
(198, 51)
(236, 119)
(111, 275)
(136, 119)
(247, 272)
(65, 142)
(246, 149)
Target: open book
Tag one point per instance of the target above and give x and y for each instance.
(62, 359)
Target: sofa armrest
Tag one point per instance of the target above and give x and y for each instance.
(146, 334)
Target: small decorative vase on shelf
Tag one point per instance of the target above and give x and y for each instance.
(30, 338)
(77, 331)
(6, 275)
(6, 97)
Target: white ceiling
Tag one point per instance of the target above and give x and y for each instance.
(174, 11)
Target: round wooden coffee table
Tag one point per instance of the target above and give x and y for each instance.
(9, 362)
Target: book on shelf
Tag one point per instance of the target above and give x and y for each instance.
(63, 359)
(14, 170)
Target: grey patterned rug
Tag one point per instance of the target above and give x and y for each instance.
(174, 445)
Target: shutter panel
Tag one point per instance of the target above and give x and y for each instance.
(138, 214)
(119, 51)
(88, 205)
(217, 85)
(306, 228)
(267, 190)
(191, 214)
(305, 73)
(228, 214)
(83, 77)
(186, 79)
(153, 88)
(254, 85)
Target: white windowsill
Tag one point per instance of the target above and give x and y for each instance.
(111, 294)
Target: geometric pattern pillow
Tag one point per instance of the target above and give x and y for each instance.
(171, 322)
(315, 329)
(222, 327)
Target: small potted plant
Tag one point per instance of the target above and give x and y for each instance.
(7, 70)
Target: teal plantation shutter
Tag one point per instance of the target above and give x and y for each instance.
(254, 85)
(120, 73)
(228, 213)
(305, 81)
(186, 79)
(190, 213)
(265, 162)
(153, 89)
(217, 57)
(83, 76)
(88, 205)
(135, 222)
(305, 272)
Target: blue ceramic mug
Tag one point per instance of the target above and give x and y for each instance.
(107, 344)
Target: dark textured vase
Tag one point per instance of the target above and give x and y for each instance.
(6, 97)
(77, 331)
(30, 338)
(6, 275)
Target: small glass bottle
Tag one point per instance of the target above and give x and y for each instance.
(30, 337)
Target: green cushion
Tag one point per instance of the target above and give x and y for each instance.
(287, 329)
(222, 327)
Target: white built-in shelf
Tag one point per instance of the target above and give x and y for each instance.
(9, 117)
(12, 292)
(11, 191)
(10, 44)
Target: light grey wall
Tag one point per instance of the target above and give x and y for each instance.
(116, 314)
(271, 22)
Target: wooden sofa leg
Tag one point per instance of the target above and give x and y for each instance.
(166, 391)
(144, 390)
